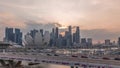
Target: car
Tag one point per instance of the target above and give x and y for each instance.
(56, 55)
(106, 58)
(116, 58)
(43, 61)
(33, 63)
(49, 55)
(74, 56)
(84, 57)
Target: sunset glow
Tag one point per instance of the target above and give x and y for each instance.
(90, 15)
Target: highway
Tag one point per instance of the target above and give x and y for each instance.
(61, 59)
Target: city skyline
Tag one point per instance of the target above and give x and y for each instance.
(63, 30)
(71, 36)
(97, 19)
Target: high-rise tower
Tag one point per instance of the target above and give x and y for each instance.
(70, 35)
(18, 36)
(13, 36)
(9, 35)
(77, 35)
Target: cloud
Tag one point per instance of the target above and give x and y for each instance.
(30, 25)
(57, 24)
(96, 34)
(9, 20)
(88, 14)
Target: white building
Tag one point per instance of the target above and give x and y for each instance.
(38, 41)
(29, 40)
(46, 37)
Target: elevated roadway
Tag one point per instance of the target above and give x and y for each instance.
(62, 60)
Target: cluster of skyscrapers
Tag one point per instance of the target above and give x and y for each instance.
(56, 39)
(69, 39)
(13, 35)
(52, 39)
(34, 31)
(109, 42)
(86, 42)
(66, 40)
(37, 38)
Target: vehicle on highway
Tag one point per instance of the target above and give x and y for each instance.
(116, 58)
(106, 58)
(56, 55)
(33, 63)
(74, 56)
(49, 55)
(84, 57)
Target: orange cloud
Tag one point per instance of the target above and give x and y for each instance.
(10, 20)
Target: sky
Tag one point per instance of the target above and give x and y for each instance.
(98, 19)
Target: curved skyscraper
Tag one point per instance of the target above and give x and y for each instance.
(46, 37)
(38, 39)
(29, 40)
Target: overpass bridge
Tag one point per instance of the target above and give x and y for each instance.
(73, 62)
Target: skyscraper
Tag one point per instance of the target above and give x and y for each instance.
(56, 36)
(38, 39)
(18, 36)
(53, 30)
(107, 42)
(74, 37)
(77, 35)
(70, 29)
(119, 41)
(56, 33)
(46, 37)
(9, 35)
(33, 33)
(83, 41)
(52, 37)
(67, 38)
(28, 40)
(59, 41)
(70, 35)
(41, 31)
(89, 41)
